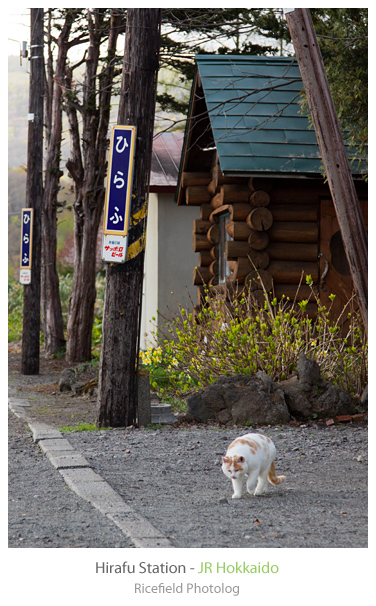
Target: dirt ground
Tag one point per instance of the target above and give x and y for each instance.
(49, 405)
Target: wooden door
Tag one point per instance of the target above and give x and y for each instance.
(335, 277)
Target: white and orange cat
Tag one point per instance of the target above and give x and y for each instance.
(251, 455)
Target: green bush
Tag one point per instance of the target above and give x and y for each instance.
(65, 285)
(233, 335)
(15, 310)
(166, 379)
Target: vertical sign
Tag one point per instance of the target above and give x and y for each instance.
(26, 245)
(118, 194)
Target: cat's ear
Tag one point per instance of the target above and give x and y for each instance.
(225, 459)
(241, 459)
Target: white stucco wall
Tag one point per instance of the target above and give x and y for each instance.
(169, 261)
(150, 286)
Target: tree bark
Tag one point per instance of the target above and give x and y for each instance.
(52, 316)
(117, 389)
(34, 197)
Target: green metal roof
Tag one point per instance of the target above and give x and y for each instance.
(254, 111)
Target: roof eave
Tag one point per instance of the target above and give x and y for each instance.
(183, 158)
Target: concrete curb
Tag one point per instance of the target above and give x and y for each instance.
(87, 484)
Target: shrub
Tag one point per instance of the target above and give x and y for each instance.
(15, 310)
(232, 334)
(166, 379)
(65, 286)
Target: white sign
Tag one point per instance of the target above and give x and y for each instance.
(114, 249)
(25, 276)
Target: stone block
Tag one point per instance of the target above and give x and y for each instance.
(143, 408)
(65, 460)
(162, 414)
(41, 431)
(55, 445)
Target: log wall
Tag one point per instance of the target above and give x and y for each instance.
(273, 227)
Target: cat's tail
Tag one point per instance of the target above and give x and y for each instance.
(273, 478)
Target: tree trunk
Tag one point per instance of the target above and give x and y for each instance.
(34, 197)
(52, 316)
(88, 170)
(83, 291)
(117, 390)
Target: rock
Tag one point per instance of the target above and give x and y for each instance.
(308, 395)
(67, 379)
(364, 398)
(240, 400)
(308, 370)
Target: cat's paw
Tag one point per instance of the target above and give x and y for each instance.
(259, 493)
(236, 496)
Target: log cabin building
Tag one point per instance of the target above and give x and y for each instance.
(251, 165)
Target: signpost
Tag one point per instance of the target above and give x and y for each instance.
(118, 194)
(26, 245)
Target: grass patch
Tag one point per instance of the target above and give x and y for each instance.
(81, 427)
(155, 426)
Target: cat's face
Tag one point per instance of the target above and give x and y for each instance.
(234, 467)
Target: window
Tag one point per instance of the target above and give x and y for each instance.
(224, 269)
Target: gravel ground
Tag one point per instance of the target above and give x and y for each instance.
(172, 476)
(42, 511)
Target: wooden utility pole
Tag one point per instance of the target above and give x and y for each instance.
(117, 388)
(34, 195)
(334, 157)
